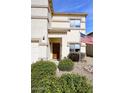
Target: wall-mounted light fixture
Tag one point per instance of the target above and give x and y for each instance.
(43, 37)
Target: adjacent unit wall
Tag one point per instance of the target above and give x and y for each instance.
(39, 29)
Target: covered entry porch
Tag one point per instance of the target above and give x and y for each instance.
(55, 48)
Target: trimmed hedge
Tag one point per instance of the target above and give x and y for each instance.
(76, 56)
(66, 65)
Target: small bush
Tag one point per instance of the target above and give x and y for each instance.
(42, 68)
(76, 56)
(66, 65)
(72, 83)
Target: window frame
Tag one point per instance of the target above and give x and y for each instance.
(74, 25)
(74, 48)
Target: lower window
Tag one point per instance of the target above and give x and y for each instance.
(74, 47)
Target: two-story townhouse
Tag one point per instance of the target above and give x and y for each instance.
(55, 35)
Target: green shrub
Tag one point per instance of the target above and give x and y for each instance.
(43, 80)
(42, 68)
(72, 83)
(67, 83)
(48, 85)
(76, 56)
(66, 65)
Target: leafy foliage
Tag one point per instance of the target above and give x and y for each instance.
(66, 65)
(72, 83)
(42, 68)
(43, 80)
(48, 85)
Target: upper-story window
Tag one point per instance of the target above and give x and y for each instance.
(75, 23)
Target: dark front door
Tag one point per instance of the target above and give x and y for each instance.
(56, 51)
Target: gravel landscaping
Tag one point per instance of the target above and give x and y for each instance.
(79, 68)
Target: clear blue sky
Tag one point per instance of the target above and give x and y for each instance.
(76, 6)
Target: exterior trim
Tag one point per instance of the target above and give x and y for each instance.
(51, 6)
(39, 6)
(83, 45)
(73, 42)
(43, 44)
(77, 28)
(67, 29)
(35, 40)
(39, 17)
(70, 14)
(57, 32)
(58, 29)
(60, 21)
(65, 21)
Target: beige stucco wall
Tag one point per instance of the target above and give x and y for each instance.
(67, 18)
(35, 52)
(65, 47)
(39, 12)
(73, 36)
(39, 2)
(64, 22)
(39, 28)
(60, 25)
